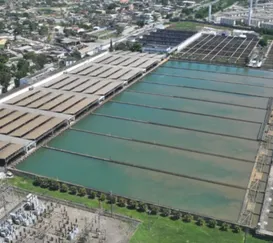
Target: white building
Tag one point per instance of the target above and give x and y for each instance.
(228, 21)
(267, 25)
(254, 22)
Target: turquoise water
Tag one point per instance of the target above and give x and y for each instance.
(203, 142)
(193, 106)
(205, 198)
(193, 195)
(204, 123)
(201, 94)
(206, 84)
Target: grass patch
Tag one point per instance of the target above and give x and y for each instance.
(154, 229)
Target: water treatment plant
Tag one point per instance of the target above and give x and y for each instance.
(186, 135)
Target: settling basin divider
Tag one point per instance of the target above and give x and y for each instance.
(195, 99)
(213, 80)
(161, 145)
(146, 168)
(172, 126)
(183, 111)
(212, 90)
(266, 119)
(198, 70)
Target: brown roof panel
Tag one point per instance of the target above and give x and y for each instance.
(30, 126)
(39, 131)
(3, 144)
(21, 97)
(5, 112)
(120, 60)
(43, 100)
(86, 85)
(111, 59)
(89, 70)
(97, 86)
(76, 83)
(31, 99)
(10, 150)
(109, 88)
(63, 83)
(13, 116)
(139, 62)
(18, 123)
(67, 104)
(109, 72)
(81, 105)
(120, 73)
(55, 102)
(81, 68)
(56, 80)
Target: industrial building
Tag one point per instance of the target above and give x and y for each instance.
(36, 114)
(164, 40)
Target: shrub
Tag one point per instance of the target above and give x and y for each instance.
(73, 190)
(224, 227)
(54, 185)
(102, 197)
(176, 215)
(44, 183)
(154, 210)
(92, 195)
(131, 204)
(187, 218)
(111, 199)
(37, 181)
(200, 221)
(212, 223)
(82, 192)
(142, 207)
(121, 202)
(236, 229)
(64, 188)
(165, 212)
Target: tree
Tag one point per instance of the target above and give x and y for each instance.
(102, 197)
(119, 29)
(154, 210)
(131, 204)
(142, 207)
(92, 195)
(82, 192)
(121, 202)
(40, 61)
(37, 181)
(4, 80)
(263, 42)
(111, 48)
(212, 223)
(200, 221)
(236, 229)
(187, 218)
(73, 190)
(43, 30)
(54, 185)
(64, 188)
(44, 183)
(140, 23)
(76, 54)
(165, 212)
(224, 227)
(49, 2)
(176, 215)
(136, 47)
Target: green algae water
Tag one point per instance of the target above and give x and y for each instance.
(202, 124)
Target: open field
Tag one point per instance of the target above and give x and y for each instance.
(154, 229)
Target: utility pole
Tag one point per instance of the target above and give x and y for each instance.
(111, 198)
